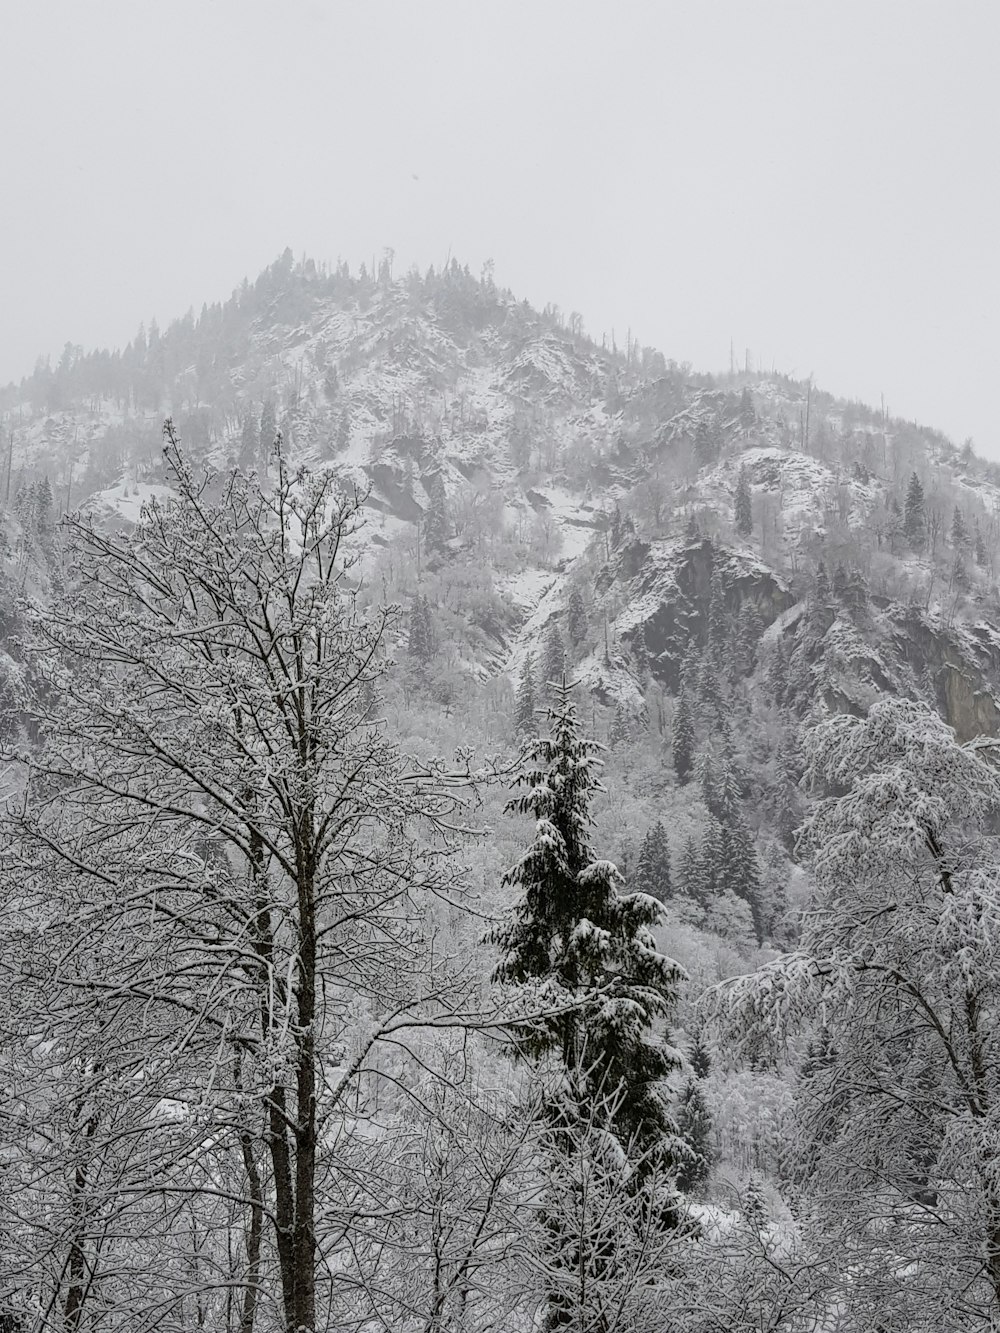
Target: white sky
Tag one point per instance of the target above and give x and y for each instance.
(817, 181)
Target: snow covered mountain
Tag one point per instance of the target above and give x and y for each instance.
(510, 459)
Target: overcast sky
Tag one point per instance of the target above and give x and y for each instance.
(817, 182)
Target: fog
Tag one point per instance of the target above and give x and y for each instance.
(813, 186)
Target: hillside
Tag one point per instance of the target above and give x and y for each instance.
(721, 564)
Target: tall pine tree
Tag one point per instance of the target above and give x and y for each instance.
(683, 739)
(525, 721)
(914, 518)
(588, 944)
(652, 871)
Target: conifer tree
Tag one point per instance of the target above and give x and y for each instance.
(694, 1125)
(743, 507)
(748, 633)
(713, 858)
(691, 875)
(620, 731)
(683, 738)
(914, 518)
(576, 617)
(652, 872)
(525, 721)
(840, 583)
(552, 666)
(700, 1058)
(43, 505)
(436, 523)
(574, 932)
(692, 532)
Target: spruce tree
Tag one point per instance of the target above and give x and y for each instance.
(914, 518)
(525, 721)
(713, 859)
(574, 932)
(620, 731)
(652, 872)
(694, 1125)
(576, 617)
(743, 507)
(744, 877)
(552, 666)
(700, 1058)
(840, 583)
(436, 524)
(683, 738)
(43, 505)
(692, 532)
(718, 620)
(690, 874)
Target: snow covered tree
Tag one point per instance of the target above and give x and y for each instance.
(620, 731)
(743, 506)
(525, 719)
(219, 844)
(701, 1057)
(437, 527)
(718, 619)
(840, 583)
(694, 1125)
(552, 664)
(914, 517)
(683, 738)
(900, 964)
(586, 947)
(652, 872)
(43, 505)
(576, 617)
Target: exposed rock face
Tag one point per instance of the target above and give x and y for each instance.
(847, 660)
(963, 664)
(665, 588)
